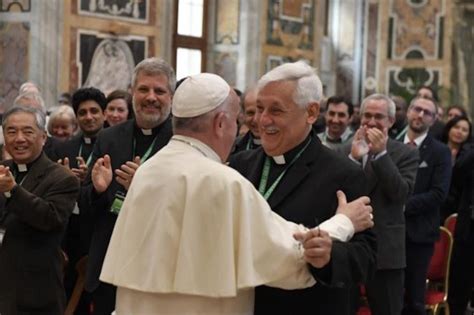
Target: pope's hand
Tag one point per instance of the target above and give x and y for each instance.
(102, 174)
(317, 247)
(358, 211)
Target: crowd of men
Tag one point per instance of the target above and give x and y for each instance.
(177, 216)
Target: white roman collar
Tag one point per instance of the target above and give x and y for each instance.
(147, 132)
(279, 159)
(22, 168)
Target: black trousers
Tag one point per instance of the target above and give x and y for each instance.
(385, 292)
(461, 274)
(418, 261)
(103, 299)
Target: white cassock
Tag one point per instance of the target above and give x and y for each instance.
(195, 237)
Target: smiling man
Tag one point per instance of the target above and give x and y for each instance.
(422, 208)
(338, 118)
(117, 154)
(36, 198)
(299, 177)
(251, 139)
(88, 105)
(390, 168)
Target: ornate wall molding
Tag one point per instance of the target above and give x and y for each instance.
(416, 29)
(11, 5)
(129, 10)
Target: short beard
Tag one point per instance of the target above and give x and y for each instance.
(419, 130)
(147, 121)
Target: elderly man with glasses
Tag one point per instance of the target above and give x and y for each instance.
(390, 168)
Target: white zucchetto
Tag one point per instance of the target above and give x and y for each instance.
(199, 94)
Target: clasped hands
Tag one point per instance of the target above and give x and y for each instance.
(317, 243)
(80, 171)
(102, 173)
(369, 140)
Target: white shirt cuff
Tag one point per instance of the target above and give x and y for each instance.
(339, 227)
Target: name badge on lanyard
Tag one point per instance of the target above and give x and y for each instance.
(117, 203)
(2, 235)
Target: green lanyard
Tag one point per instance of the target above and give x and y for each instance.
(402, 133)
(147, 152)
(266, 171)
(247, 147)
(89, 159)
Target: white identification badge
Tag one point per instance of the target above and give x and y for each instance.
(2, 235)
(76, 209)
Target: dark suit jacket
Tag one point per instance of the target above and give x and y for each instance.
(391, 179)
(461, 195)
(30, 257)
(70, 149)
(78, 234)
(50, 147)
(116, 141)
(431, 188)
(307, 195)
(242, 143)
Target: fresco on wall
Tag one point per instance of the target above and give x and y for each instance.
(416, 29)
(290, 23)
(227, 22)
(136, 10)
(405, 81)
(274, 61)
(14, 47)
(225, 64)
(15, 5)
(107, 62)
(345, 48)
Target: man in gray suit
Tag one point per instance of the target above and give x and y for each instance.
(390, 168)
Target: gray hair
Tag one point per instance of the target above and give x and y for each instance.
(391, 108)
(200, 123)
(40, 117)
(61, 111)
(155, 66)
(29, 86)
(30, 99)
(308, 85)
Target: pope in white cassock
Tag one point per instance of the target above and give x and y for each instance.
(193, 235)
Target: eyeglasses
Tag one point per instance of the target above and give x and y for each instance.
(377, 117)
(419, 110)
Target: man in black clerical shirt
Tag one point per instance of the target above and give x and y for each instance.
(88, 104)
(251, 139)
(118, 152)
(36, 198)
(300, 178)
